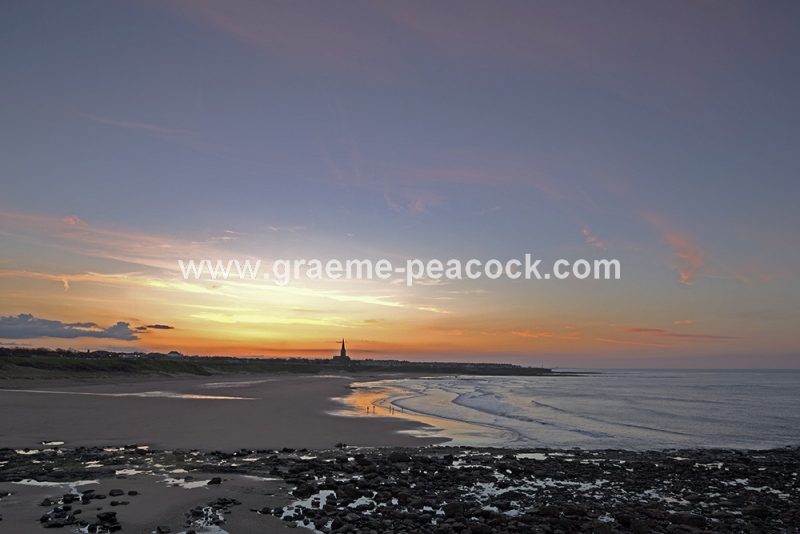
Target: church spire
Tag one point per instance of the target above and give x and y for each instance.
(343, 353)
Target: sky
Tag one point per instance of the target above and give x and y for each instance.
(662, 134)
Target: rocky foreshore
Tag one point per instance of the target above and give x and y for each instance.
(437, 489)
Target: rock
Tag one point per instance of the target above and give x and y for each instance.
(550, 511)
(214, 481)
(399, 457)
(107, 517)
(574, 510)
(453, 509)
(304, 490)
(687, 518)
(116, 492)
(756, 510)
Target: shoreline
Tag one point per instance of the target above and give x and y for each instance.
(630, 410)
(384, 401)
(237, 454)
(273, 411)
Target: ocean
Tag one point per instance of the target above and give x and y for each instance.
(626, 409)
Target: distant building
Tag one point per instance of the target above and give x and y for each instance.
(342, 357)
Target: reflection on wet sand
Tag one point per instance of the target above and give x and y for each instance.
(383, 399)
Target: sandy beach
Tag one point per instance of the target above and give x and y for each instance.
(266, 453)
(209, 413)
(219, 413)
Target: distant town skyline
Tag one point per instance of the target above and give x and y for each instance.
(665, 135)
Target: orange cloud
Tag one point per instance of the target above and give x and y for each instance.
(531, 334)
(666, 333)
(592, 239)
(626, 342)
(688, 257)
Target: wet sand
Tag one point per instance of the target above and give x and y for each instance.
(209, 413)
(156, 503)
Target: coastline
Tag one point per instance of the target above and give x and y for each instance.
(237, 454)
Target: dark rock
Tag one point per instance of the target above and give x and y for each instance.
(304, 491)
(107, 517)
(687, 518)
(453, 509)
(756, 510)
(398, 457)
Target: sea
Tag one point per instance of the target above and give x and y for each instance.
(626, 409)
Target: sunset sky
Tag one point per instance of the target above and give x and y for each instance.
(663, 134)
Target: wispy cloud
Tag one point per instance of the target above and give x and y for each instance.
(628, 342)
(412, 203)
(531, 334)
(659, 332)
(78, 236)
(289, 229)
(378, 40)
(688, 257)
(167, 133)
(154, 129)
(592, 239)
(313, 36)
(432, 309)
(132, 278)
(691, 260)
